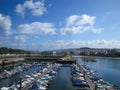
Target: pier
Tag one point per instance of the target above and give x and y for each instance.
(66, 61)
(28, 86)
(43, 58)
(90, 83)
(57, 59)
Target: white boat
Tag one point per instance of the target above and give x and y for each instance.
(28, 80)
(43, 82)
(38, 74)
(81, 78)
(27, 76)
(23, 84)
(13, 87)
(32, 78)
(4, 88)
(34, 75)
(42, 87)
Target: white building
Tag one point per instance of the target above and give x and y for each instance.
(54, 53)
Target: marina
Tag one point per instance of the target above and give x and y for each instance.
(46, 75)
(36, 72)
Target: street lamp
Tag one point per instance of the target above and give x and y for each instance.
(20, 82)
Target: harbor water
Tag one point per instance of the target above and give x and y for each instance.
(62, 81)
(107, 68)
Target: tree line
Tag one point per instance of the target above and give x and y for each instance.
(5, 50)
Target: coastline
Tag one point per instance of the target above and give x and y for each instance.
(80, 56)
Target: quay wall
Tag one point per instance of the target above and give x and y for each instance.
(11, 62)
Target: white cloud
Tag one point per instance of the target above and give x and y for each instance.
(80, 20)
(79, 24)
(37, 28)
(20, 38)
(97, 30)
(5, 24)
(37, 8)
(20, 9)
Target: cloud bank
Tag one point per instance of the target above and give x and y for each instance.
(37, 28)
(61, 44)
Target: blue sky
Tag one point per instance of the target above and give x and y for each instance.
(58, 24)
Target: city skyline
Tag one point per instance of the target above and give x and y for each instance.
(59, 24)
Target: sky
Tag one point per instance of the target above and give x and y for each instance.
(59, 24)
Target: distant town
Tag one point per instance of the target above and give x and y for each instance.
(85, 51)
(95, 51)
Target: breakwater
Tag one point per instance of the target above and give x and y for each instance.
(56, 59)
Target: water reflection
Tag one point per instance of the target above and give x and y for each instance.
(62, 81)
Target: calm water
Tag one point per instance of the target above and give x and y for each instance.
(62, 81)
(108, 69)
